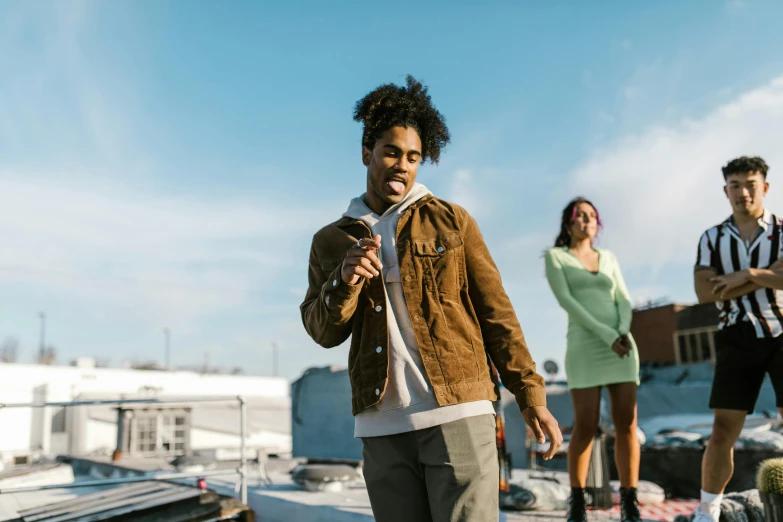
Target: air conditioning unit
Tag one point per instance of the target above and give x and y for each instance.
(22, 460)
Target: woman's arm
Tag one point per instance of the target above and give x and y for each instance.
(622, 298)
(559, 286)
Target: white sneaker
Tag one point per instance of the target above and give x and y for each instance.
(702, 514)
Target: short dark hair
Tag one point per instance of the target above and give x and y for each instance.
(744, 165)
(392, 106)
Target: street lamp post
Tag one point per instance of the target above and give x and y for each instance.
(42, 347)
(167, 334)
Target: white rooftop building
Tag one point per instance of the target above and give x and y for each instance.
(162, 430)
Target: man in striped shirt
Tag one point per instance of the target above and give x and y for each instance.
(739, 267)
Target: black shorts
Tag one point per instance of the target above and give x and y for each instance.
(742, 360)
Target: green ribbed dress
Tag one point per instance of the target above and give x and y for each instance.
(599, 311)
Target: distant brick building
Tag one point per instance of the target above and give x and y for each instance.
(675, 333)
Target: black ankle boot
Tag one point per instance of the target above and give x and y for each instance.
(577, 507)
(629, 506)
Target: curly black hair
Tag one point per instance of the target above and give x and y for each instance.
(391, 106)
(744, 165)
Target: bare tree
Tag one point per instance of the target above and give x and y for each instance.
(147, 365)
(9, 350)
(49, 356)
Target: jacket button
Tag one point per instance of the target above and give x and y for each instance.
(334, 283)
(377, 391)
(379, 349)
(440, 249)
(378, 308)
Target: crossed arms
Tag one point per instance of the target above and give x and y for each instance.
(711, 287)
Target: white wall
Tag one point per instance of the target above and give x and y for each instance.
(73, 381)
(100, 435)
(268, 440)
(24, 383)
(103, 435)
(16, 423)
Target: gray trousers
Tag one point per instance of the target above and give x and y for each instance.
(447, 473)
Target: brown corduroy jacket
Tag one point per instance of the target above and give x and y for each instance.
(460, 313)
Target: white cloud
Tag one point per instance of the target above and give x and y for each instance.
(605, 117)
(653, 92)
(94, 232)
(76, 230)
(462, 190)
(732, 6)
(644, 294)
(657, 191)
(59, 102)
(150, 255)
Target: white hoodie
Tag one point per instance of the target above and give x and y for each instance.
(409, 403)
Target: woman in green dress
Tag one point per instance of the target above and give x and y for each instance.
(600, 351)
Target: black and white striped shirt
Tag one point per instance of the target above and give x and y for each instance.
(723, 249)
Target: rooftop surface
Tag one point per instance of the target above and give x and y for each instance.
(274, 496)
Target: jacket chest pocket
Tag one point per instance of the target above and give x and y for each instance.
(441, 260)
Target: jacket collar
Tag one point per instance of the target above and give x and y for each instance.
(345, 221)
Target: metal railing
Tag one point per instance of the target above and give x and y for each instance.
(241, 470)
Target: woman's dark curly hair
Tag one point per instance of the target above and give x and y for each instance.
(744, 165)
(568, 217)
(392, 106)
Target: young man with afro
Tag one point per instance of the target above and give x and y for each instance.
(409, 278)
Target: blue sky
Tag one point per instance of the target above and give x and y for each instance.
(165, 164)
